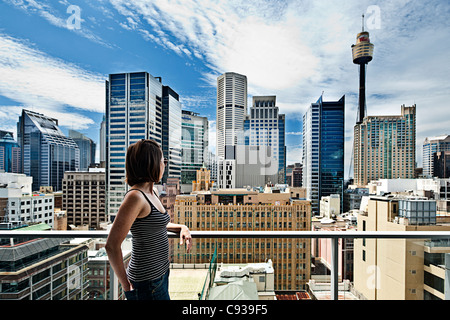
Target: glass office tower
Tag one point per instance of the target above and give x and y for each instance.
(323, 150)
(87, 149)
(281, 149)
(9, 153)
(46, 152)
(133, 112)
(431, 146)
(171, 133)
(195, 146)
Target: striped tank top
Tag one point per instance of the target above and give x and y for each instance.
(150, 245)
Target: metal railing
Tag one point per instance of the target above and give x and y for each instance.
(333, 235)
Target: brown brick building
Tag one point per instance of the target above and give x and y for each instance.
(84, 198)
(247, 210)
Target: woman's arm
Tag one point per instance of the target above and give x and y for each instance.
(184, 233)
(181, 228)
(128, 211)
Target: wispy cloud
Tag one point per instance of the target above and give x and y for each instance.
(31, 77)
(297, 49)
(46, 85)
(60, 20)
(294, 155)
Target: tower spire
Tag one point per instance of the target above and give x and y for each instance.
(362, 53)
(363, 23)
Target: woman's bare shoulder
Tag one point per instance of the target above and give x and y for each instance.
(134, 197)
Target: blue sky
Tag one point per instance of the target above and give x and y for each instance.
(292, 49)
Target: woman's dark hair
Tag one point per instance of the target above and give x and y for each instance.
(143, 162)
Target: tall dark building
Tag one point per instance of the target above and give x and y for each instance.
(323, 150)
(133, 112)
(9, 153)
(46, 152)
(87, 149)
(441, 164)
(171, 133)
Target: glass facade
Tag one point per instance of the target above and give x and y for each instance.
(281, 149)
(432, 145)
(171, 133)
(323, 150)
(332, 148)
(46, 151)
(9, 153)
(195, 144)
(133, 112)
(87, 149)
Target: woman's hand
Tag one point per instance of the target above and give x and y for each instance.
(128, 286)
(185, 234)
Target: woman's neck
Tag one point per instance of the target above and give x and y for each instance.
(146, 187)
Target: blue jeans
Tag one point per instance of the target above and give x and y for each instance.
(157, 289)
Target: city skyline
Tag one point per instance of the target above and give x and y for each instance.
(289, 49)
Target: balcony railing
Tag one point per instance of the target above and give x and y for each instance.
(334, 236)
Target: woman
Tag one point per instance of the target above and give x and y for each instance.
(143, 214)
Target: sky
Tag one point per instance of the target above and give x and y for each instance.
(56, 55)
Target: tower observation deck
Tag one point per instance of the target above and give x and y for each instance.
(362, 53)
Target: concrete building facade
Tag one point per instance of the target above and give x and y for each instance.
(400, 269)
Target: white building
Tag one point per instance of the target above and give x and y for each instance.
(231, 110)
(254, 281)
(19, 206)
(439, 187)
(330, 206)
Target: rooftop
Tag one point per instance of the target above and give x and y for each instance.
(186, 282)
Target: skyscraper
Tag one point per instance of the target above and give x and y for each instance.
(9, 153)
(133, 112)
(46, 152)
(87, 149)
(265, 126)
(231, 109)
(171, 133)
(385, 147)
(103, 140)
(323, 150)
(231, 112)
(431, 146)
(195, 146)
